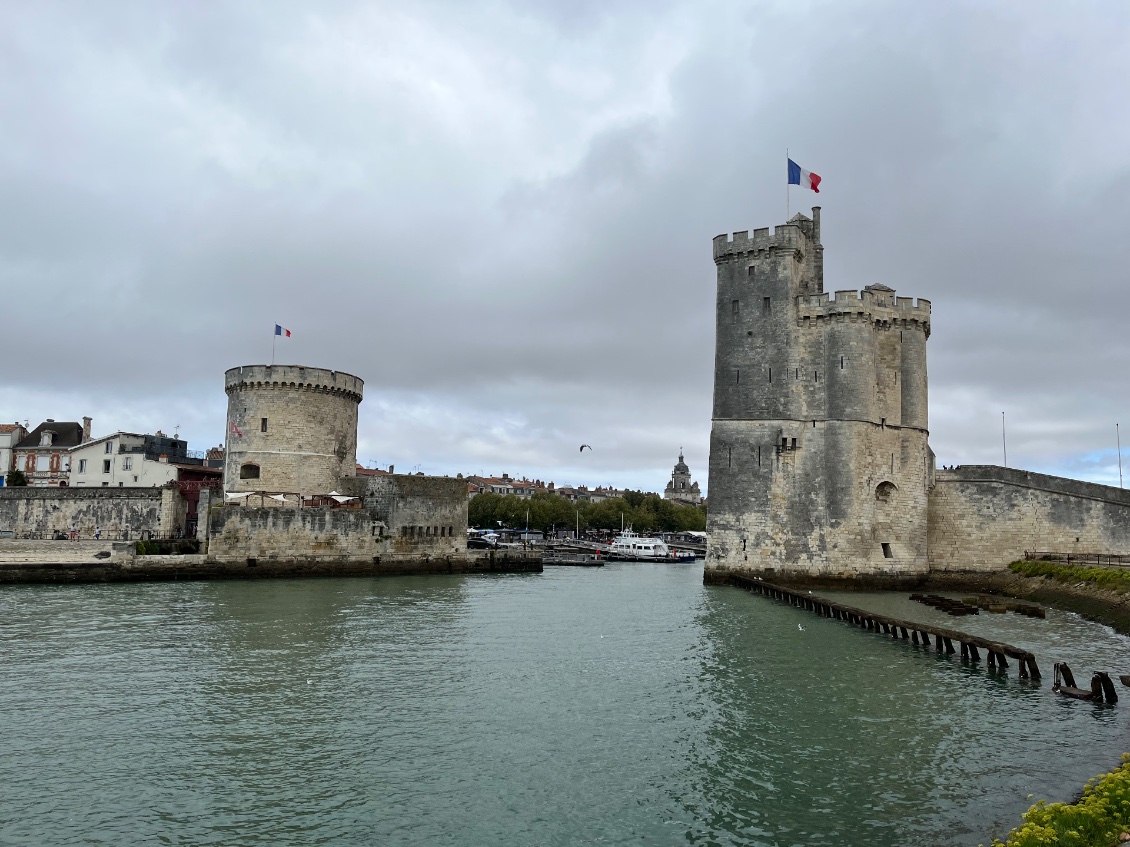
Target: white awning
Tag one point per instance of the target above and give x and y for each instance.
(238, 495)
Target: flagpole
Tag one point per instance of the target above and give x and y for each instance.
(274, 335)
(788, 188)
(1118, 439)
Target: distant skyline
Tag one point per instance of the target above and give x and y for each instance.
(499, 215)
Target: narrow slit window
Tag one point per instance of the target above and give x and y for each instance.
(816, 376)
(841, 363)
(735, 310)
(737, 376)
(263, 425)
(794, 443)
(749, 270)
(766, 306)
(887, 554)
(770, 374)
(797, 374)
(729, 457)
(759, 455)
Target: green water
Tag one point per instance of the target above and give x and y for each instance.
(622, 705)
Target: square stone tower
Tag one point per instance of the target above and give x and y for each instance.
(819, 461)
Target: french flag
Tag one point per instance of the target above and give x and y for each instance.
(283, 331)
(803, 178)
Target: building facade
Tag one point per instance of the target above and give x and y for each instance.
(819, 461)
(681, 488)
(10, 435)
(43, 455)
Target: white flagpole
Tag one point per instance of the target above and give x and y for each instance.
(274, 335)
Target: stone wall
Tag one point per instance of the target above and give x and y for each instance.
(423, 514)
(982, 517)
(117, 511)
(819, 461)
(237, 533)
(400, 517)
(297, 426)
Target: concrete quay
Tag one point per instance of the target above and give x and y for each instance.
(39, 562)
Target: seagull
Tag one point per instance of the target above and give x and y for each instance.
(801, 628)
(583, 446)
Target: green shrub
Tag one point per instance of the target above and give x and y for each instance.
(1112, 579)
(1100, 816)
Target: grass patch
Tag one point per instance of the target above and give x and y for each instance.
(1111, 579)
(1100, 816)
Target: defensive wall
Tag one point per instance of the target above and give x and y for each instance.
(397, 517)
(983, 517)
(118, 512)
(819, 460)
(290, 428)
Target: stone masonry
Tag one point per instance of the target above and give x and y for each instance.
(819, 459)
(819, 456)
(290, 429)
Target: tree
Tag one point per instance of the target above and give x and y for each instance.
(15, 478)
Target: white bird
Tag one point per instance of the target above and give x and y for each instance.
(801, 628)
(309, 682)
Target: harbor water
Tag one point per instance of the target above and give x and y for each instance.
(620, 705)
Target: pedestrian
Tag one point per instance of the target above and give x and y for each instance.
(97, 532)
(74, 532)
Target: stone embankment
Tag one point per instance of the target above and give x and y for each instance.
(99, 561)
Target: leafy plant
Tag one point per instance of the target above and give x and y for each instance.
(1097, 820)
(15, 478)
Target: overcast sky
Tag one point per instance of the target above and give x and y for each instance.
(499, 214)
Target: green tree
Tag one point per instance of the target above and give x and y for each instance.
(15, 478)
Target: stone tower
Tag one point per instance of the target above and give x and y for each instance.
(290, 428)
(819, 462)
(681, 488)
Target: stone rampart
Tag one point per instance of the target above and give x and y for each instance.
(422, 513)
(238, 533)
(982, 517)
(116, 511)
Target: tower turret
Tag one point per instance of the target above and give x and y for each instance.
(818, 459)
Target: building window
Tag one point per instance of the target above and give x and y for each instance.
(735, 310)
(106, 465)
(105, 485)
(263, 425)
(109, 447)
(249, 471)
(127, 463)
(82, 465)
(887, 554)
(884, 492)
(43, 463)
(766, 306)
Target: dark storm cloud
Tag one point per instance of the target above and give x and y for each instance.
(499, 215)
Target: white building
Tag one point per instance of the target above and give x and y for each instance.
(126, 460)
(10, 435)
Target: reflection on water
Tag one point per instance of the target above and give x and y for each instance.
(627, 704)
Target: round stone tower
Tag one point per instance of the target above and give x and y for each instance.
(290, 428)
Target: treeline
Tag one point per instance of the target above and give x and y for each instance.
(643, 512)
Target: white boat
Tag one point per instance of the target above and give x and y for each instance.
(631, 547)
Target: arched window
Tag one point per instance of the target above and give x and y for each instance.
(249, 471)
(885, 492)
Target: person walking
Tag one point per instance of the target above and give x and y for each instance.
(97, 533)
(74, 532)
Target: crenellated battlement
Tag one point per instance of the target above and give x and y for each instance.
(784, 237)
(300, 377)
(874, 303)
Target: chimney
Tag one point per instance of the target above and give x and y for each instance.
(85, 430)
(392, 468)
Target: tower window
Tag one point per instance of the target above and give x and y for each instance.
(737, 376)
(794, 443)
(887, 554)
(759, 455)
(749, 270)
(841, 363)
(765, 305)
(249, 471)
(770, 374)
(729, 457)
(735, 310)
(263, 425)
